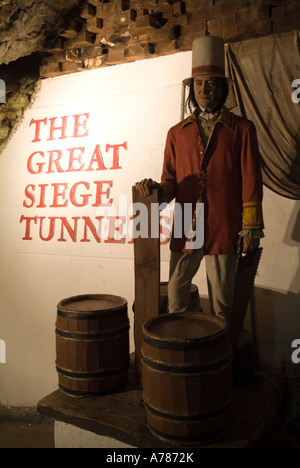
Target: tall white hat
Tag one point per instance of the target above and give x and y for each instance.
(208, 58)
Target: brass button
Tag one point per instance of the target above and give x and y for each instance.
(203, 171)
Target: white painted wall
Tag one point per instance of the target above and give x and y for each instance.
(136, 103)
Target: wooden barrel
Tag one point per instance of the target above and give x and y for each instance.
(163, 300)
(92, 344)
(164, 303)
(187, 377)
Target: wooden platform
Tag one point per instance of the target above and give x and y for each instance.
(121, 415)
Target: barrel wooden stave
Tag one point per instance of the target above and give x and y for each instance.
(92, 355)
(187, 391)
(188, 433)
(92, 344)
(199, 390)
(100, 384)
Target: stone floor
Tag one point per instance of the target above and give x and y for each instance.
(25, 428)
(40, 434)
(20, 434)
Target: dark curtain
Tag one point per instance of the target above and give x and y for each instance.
(263, 70)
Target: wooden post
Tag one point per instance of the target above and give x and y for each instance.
(147, 272)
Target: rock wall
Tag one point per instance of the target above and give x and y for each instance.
(27, 25)
(26, 28)
(61, 37)
(22, 82)
(110, 32)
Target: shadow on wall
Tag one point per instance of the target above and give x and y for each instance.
(292, 238)
(277, 326)
(278, 312)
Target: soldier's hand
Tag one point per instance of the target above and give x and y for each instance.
(146, 186)
(250, 244)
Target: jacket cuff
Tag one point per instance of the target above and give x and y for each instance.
(258, 233)
(253, 216)
(168, 190)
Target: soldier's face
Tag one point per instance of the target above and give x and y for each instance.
(208, 91)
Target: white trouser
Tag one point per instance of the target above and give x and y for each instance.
(220, 272)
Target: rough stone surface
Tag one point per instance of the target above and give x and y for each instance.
(67, 36)
(22, 84)
(26, 25)
(26, 28)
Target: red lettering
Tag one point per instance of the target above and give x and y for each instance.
(72, 232)
(80, 129)
(116, 153)
(164, 231)
(100, 192)
(50, 231)
(79, 124)
(62, 128)
(37, 128)
(29, 195)
(85, 197)
(113, 229)
(42, 196)
(73, 158)
(131, 241)
(97, 158)
(88, 224)
(36, 162)
(91, 230)
(58, 194)
(27, 228)
(54, 161)
(39, 165)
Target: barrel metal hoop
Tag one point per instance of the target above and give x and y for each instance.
(90, 375)
(188, 439)
(87, 394)
(92, 316)
(186, 369)
(194, 417)
(96, 336)
(184, 345)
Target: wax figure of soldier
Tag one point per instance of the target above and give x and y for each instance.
(211, 157)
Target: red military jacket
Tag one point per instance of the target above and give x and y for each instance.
(225, 176)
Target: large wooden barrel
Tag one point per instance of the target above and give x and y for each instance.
(92, 344)
(164, 302)
(187, 377)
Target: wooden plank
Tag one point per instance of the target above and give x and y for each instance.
(72, 29)
(245, 277)
(147, 271)
(94, 25)
(57, 47)
(88, 11)
(121, 415)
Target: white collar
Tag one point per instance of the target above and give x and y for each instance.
(207, 115)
